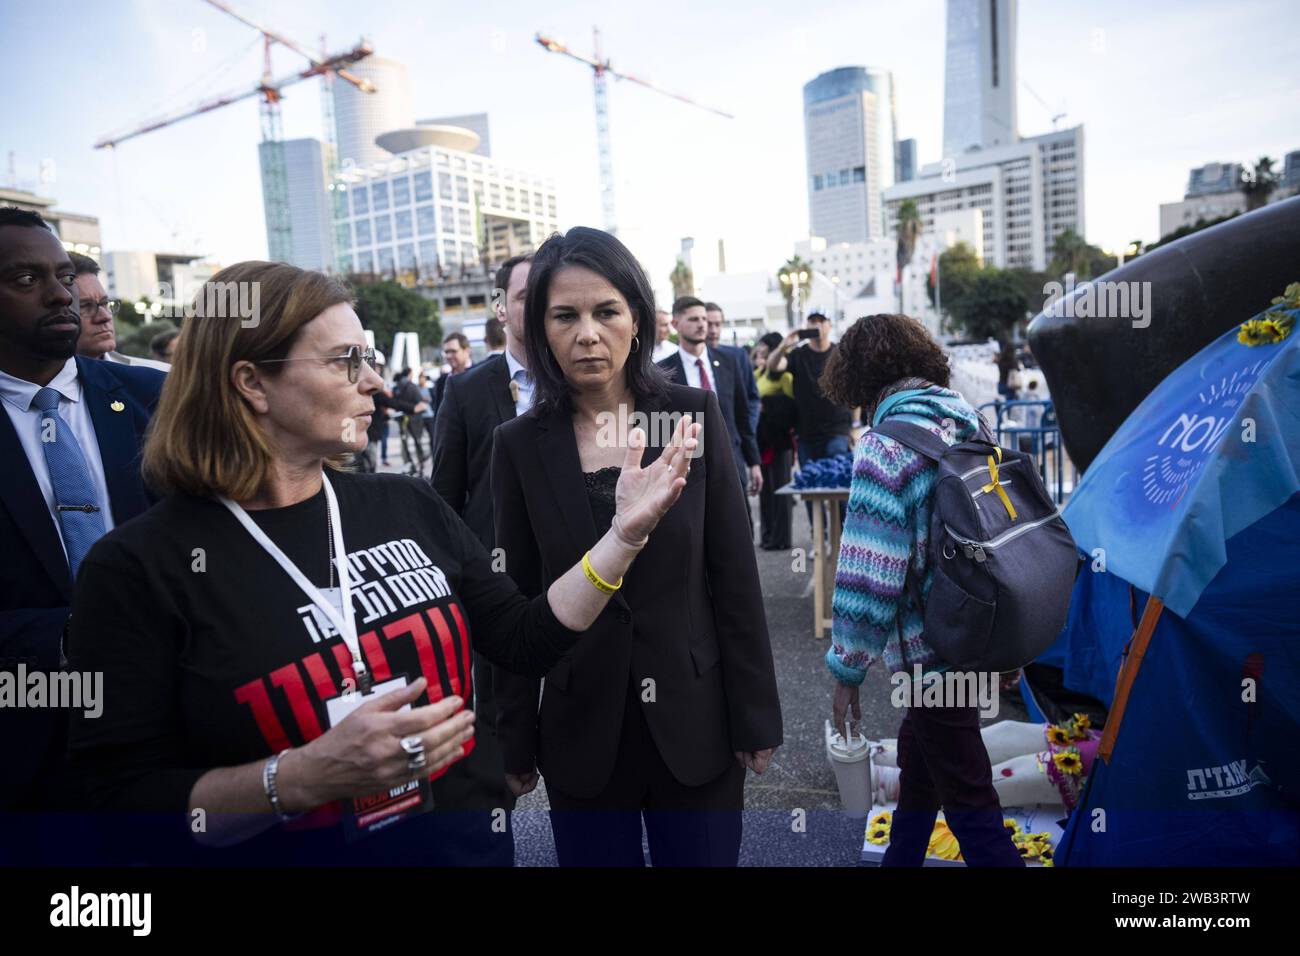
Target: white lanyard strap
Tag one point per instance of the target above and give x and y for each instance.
(346, 624)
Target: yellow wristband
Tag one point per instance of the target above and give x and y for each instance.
(603, 586)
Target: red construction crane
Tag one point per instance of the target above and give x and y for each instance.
(274, 181)
(600, 68)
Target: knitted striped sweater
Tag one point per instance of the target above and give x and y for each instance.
(888, 519)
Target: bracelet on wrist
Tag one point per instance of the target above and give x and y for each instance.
(601, 585)
(270, 773)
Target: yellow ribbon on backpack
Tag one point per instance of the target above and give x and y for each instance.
(995, 485)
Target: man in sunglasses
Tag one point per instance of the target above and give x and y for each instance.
(98, 339)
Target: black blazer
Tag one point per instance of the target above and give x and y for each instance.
(35, 586)
(473, 404)
(733, 398)
(689, 615)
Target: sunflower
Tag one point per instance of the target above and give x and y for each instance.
(1068, 761)
(881, 819)
(1028, 850)
(1273, 327)
(943, 843)
(879, 835)
(1059, 736)
(1011, 824)
(1048, 863)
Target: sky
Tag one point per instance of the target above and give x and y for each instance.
(1159, 87)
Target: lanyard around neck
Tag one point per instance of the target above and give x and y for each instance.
(345, 623)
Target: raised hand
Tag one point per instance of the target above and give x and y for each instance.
(644, 495)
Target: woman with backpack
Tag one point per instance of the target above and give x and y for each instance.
(891, 367)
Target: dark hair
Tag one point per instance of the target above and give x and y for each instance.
(682, 303)
(158, 344)
(604, 255)
(713, 307)
(459, 338)
(771, 340)
(13, 216)
(494, 333)
(876, 351)
(819, 316)
(84, 265)
(502, 280)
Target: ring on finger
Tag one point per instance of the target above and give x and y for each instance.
(416, 759)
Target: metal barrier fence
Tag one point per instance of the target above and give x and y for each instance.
(1031, 427)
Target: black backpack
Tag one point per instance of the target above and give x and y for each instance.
(1004, 561)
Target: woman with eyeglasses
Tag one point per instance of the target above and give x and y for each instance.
(286, 646)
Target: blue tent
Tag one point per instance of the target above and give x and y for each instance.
(1185, 619)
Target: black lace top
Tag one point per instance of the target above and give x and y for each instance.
(600, 494)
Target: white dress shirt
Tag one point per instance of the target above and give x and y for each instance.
(520, 374)
(18, 395)
(693, 371)
(663, 350)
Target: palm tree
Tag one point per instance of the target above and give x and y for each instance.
(909, 231)
(788, 275)
(683, 280)
(1070, 254)
(1258, 183)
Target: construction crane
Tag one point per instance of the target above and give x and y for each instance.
(275, 188)
(601, 68)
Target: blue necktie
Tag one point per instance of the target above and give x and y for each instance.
(74, 492)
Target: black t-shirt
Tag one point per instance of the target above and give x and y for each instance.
(819, 418)
(213, 657)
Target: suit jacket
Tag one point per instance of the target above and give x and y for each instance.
(733, 397)
(689, 615)
(473, 405)
(35, 586)
(745, 369)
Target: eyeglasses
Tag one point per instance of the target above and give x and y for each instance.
(90, 307)
(354, 358)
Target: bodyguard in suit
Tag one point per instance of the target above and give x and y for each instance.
(473, 405)
(70, 438)
(697, 365)
(661, 710)
(715, 318)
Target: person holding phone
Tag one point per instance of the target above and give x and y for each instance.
(286, 647)
(823, 428)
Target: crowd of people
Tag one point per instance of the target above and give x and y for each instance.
(305, 660)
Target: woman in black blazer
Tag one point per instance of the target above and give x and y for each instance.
(661, 711)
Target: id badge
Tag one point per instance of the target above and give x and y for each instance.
(374, 812)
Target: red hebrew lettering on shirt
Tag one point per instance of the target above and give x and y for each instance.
(255, 695)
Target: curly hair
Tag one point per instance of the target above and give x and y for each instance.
(876, 351)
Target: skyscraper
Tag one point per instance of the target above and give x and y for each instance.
(309, 243)
(850, 136)
(360, 117)
(906, 166)
(979, 87)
